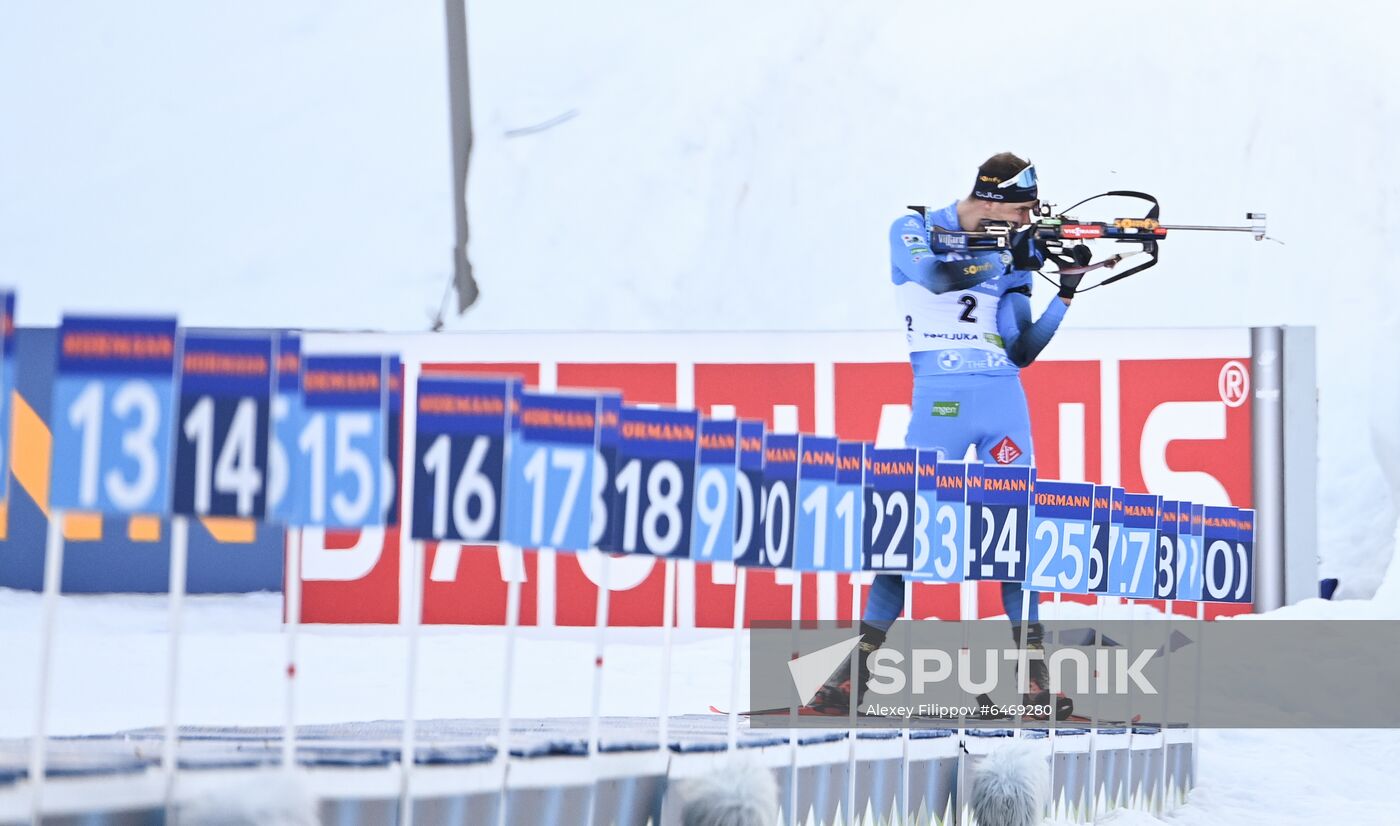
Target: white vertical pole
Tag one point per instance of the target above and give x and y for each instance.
(855, 695)
(413, 595)
(793, 732)
(741, 576)
(1054, 721)
(294, 536)
(908, 616)
(600, 628)
(1166, 686)
(1023, 663)
(1131, 723)
(179, 556)
(668, 610)
(513, 577)
(407, 755)
(1200, 665)
(53, 586)
(1094, 714)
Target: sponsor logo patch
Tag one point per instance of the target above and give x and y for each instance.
(949, 409)
(911, 240)
(1006, 451)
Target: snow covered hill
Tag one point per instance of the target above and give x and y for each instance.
(719, 165)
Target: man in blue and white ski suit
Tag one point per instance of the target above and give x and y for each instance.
(967, 320)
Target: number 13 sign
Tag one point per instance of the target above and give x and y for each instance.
(113, 394)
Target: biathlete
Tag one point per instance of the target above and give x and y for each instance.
(967, 319)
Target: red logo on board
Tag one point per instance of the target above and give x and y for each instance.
(1006, 451)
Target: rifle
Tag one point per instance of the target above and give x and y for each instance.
(1059, 234)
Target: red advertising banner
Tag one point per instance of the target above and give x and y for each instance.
(1157, 411)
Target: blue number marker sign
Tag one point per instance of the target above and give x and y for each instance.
(776, 541)
(603, 532)
(7, 384)
(748, 498)
(287, 465)
(1229, 565)
(553, 441)
(1130, 566)
(925, 494)
(950, 521)
(342, 439)
(1190, 552)
(891, 488)
(1101, 535)
(221, 444)
(849, 505)
(1061, 537)
(1164, 577)
(712, 521)
(655, 481)
(1005, 522)
(459, 457)
(113, 401)
(1244, 551)
(816, 505)
(393, 442)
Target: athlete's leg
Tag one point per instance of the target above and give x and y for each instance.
(935, 423)
(885, 602)
(1006, 440)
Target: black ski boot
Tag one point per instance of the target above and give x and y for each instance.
(834, 697)
(1038, 671)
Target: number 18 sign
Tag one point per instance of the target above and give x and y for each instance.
(113, 395)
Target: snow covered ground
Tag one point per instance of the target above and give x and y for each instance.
(111, 655)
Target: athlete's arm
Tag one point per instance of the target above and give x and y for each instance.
(938, 272)
(1023, 338)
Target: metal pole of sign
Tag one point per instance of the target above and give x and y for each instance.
(1200, 665)
(854, 696)
(904, 732)
(1053, 721)
(1130, 716)
(967, 612)
(793, 739)
(53, 586)
(1166, 685)
(1021, 659)
(513, 571)
(179, 555)
(414, 618)
(413, 610)
(600, 629)
(294, 538)
(668, 611)
(1094, 712)
(740, 586)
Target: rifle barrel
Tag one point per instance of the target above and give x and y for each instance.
(1207, 228)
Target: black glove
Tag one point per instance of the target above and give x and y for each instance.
(1069, 282)
(1026, 253)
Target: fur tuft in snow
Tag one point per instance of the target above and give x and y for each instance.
(273, 798)
(1011, 785)
(739, 793)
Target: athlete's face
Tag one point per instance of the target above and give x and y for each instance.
(1016, 213)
